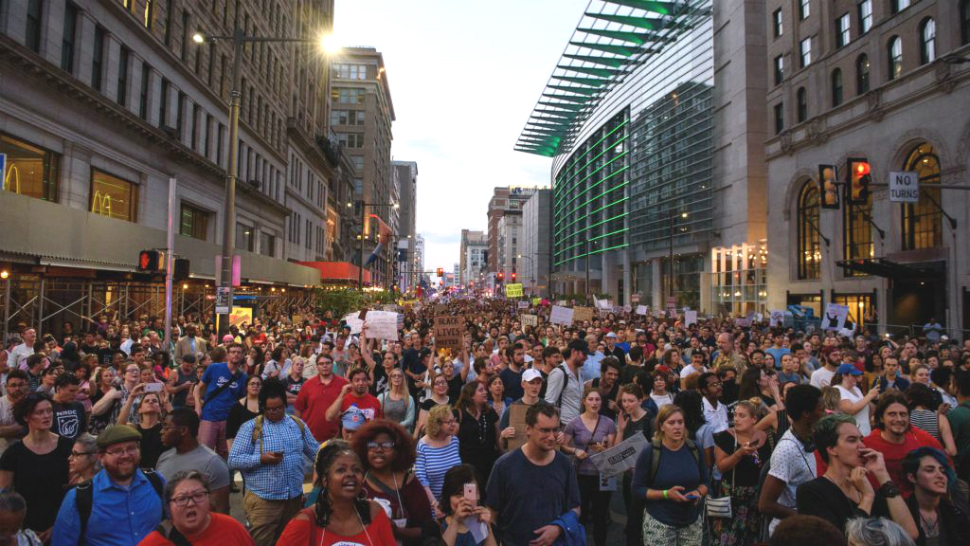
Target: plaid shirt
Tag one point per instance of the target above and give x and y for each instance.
(273, 481)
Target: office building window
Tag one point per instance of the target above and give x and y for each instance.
(194, 222)
(965, 22)
(802, 99)
(245, 238)
(163, 104)
(347, 117)
(895, 54)
(805, 50)
(112, 196)
(862, 74)
(779, 69)
(97, 64)
(29, 170)
(843, 31)
(927, 41)
(857, 232)
(922, 225)
(837, 90)
(267, 244)
(351, 140)
(358, 163)
(68, 37)
(809, 252)
(348, 95)
(149, 13)
(777, 23)
(865, 16)
(143, 91)
(350, 71)
(35, 9)
(896, 6)
(123, 58)
(779, 117)
(804, 9)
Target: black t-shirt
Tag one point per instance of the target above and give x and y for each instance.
(605, 410)
(40, 479)
(151, 445)
(545, 381)
(748, 471)
(293, 386)
(820, 497)
(379, 384)
(430, 403)
(70, 421)
(454, 387)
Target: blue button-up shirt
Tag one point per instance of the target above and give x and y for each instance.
(120, 515)
(280, 481)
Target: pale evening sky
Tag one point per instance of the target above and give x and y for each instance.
(464, 77)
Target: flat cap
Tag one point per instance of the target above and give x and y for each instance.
(116, 434)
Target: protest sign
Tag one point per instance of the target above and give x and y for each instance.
(642, 310)
(529, 320)
(240, 315)
(620, 457)
(776, 319)
(603, 304)
(627, 308)
(835, 316)
(449, 332)
(523, 305)
(561, 315)
(517, 421)
(353, 320)
(382, 325)
(513, 290)
(690, 317)
(581, 314)
(536, 301)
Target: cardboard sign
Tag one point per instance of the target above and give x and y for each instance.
(561, 315)
(513, 290)
(517, 421)
(581, 314)
(240, 315)
(642, 310)
(382, 325)
(529, 320)
(621, 457)
(835, 316)
(449, 332)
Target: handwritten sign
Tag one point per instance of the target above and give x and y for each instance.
(449, 332)
(776, 318)
(690, 317)
(582, 314)
(353, 320)
(513, 290)
(240, 316)
(529, 320)
(835, 316)
(561, 315)
(523, 305)
(517, 421)
(642, 310)
(621, 457)
(381, 325)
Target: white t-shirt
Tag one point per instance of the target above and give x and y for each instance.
(661, 399)
(822, 377)
(690, 370)
(861, 418)
(716, 417)
(792, 465)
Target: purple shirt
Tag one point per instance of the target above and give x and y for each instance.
(583, 437)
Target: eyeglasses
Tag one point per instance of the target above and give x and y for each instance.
(374, 446)
(75, 454)
(133, 450)
(546, 431)
(183, 500)
(448, 421)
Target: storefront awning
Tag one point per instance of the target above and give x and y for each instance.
(882, 267)
(338, 272)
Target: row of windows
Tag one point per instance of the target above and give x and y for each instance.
(314, 186)
(350, 71)
(894, 55)
(921, 225)
(347, 117)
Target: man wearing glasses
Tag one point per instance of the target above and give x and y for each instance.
(714, 412)
(10, 430)
(121, 505)
(271, 451)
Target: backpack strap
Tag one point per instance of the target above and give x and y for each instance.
(565, 383)
(657, 446)
(168, 531)
(156, 481)
(258, 430)
(84, 501)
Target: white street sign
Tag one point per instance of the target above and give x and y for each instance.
(904, 187)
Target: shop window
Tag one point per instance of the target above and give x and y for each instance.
(922, 225)
(809, 251)
(29, 170)
(194, 222)
(112, 196)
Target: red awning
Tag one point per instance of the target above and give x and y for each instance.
(338, 272)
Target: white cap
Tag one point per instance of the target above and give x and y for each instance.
(612, 335)
(531, 374)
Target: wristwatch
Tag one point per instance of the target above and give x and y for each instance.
(889, 489)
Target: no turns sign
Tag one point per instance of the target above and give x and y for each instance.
(904, 187)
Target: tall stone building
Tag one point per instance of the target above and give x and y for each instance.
(472, 263)
(504, 201)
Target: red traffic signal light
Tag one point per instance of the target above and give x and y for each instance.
(860, 176)
(513, 276)
(501, 276)
(151, 260)
(441, 272)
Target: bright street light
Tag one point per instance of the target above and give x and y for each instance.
(198, 38)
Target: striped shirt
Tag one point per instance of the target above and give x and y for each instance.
(433, 462)
(927, 420)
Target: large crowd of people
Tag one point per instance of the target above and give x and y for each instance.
(521, 435)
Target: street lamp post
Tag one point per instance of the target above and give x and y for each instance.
(363, 218)
(239, 40)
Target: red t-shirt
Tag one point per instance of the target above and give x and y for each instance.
(222, 530)
(368, 404)
(895, 453)
(378, 533)
(312, 403)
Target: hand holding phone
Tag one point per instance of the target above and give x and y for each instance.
(154, 387)
(470, 493)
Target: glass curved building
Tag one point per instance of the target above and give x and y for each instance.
(654, 119)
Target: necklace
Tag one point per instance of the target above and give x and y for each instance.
(931, 530)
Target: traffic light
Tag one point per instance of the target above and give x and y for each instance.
(513, 276)
(860, 176)
(441, 272)
(501, 276)
(151, 260)
(828, 188)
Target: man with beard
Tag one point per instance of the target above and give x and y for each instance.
(831, 358)
(355, 394)
(190, 345)
(121, 505)
(180, 433)
(316, 396)
(17, 388)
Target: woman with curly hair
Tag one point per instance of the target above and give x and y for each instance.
(437, 451)
(340, 515)
(386, 451)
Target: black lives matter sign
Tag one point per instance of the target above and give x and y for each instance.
(449, 332)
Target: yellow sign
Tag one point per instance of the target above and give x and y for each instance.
(536, 301)
(513, 290)
(240, 315)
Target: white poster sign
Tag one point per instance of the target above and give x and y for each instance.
(642, 310)
(835, 316)
(529, 320)
(690, 318)
(523, 305)
(904, 187)
(353, 320)
(561, 315)
(620, 457)
(382, 325)
(776, 319)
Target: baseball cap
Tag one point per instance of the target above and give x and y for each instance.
(612, 335)
(531, 374)
(848, 369)
(353, 418)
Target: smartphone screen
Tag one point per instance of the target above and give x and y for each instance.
(471, 492)
(154, 387)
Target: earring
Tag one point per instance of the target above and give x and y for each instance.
(362, 495)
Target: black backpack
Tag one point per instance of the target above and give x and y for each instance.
(84, 500)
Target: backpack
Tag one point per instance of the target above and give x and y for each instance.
(168, 531)
(658, 449)
(84, 500)
(258, 430)
(565, 374)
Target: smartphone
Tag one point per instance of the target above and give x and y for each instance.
(691, 497)
(471, 492)
(154, 387)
